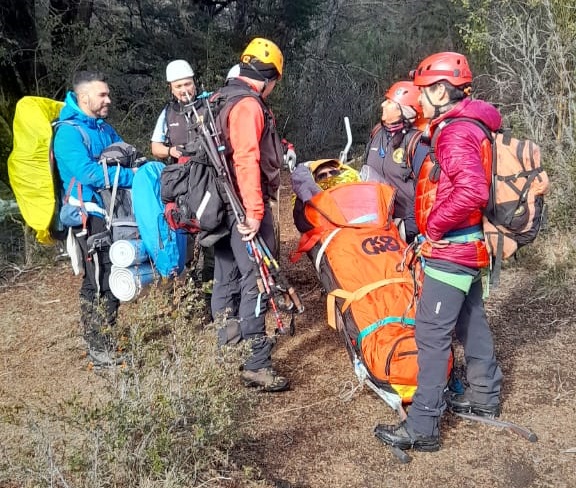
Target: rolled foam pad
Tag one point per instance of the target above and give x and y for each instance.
(127, 283)
(125, 253)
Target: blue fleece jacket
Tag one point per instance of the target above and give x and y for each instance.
(77, 161)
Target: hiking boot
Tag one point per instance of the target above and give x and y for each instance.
(398, 436)
(459, 403)
(266, 378)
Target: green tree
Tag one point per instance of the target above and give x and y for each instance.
(528, 50)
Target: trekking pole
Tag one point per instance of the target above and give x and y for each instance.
(215, 151)
(266, 285)
(213, 147)
(282, 283)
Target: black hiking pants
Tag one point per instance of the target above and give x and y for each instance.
(98, 305)
(235, 294)
(441, 310)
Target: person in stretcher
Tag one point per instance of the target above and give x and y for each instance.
(367, 269)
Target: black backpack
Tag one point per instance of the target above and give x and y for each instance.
(120, 222)
(194, 198)
(193, 192)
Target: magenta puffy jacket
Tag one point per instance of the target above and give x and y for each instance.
(463, 186)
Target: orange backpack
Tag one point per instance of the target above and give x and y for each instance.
(516, 210)
(363, 264)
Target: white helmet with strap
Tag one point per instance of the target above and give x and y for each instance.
(178, 70)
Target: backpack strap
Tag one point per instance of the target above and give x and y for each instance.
(167, 108)
(497, 261)
(415, 154)
(56, 174)
(352, 296)
(375, 129)
(418, 158)
(85, 139)
(489, 136)
(451, 121)
(415, 136)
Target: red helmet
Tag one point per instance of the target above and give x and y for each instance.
(448, 66)
(405, 93)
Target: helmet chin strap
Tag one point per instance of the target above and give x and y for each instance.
(438, 109)
(266, 83)
(263, 78)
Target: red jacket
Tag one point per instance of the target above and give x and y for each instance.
(463, 186)
(254, 147)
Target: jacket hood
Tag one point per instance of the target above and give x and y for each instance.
(71, 111)
(475, 109)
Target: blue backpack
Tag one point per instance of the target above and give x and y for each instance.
(166, 247)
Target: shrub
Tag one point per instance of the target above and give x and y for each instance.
(167, 418)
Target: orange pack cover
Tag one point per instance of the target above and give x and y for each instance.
(363, 263)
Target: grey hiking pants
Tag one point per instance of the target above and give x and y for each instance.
(235, 294)
(442, 309)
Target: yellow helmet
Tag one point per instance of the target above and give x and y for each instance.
(264, 51)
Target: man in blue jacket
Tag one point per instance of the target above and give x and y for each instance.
(80, 138)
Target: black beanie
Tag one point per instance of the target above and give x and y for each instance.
(258, 71)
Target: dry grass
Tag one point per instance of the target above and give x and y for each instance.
(167, 418)
(54, 412)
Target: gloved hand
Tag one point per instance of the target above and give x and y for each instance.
(289, 155)
(303, 183)
(290, 160)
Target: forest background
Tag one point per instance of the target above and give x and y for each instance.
(340, 57)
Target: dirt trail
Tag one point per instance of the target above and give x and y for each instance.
(319, 434)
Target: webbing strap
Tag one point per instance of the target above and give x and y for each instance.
(463, 239)
(497, 267)
(463, 231)
(84, 212)
(352, 296)
(323, 248)
(69, 190)
(106, 176)
(381, 323)
(68, 196)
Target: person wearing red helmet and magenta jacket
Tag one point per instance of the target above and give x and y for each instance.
(449, 215)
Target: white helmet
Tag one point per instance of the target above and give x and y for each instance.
(234, 72)
(178, 70)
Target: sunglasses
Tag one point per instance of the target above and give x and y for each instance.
(322, 175)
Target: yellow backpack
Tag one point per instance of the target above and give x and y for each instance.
(29, 170)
